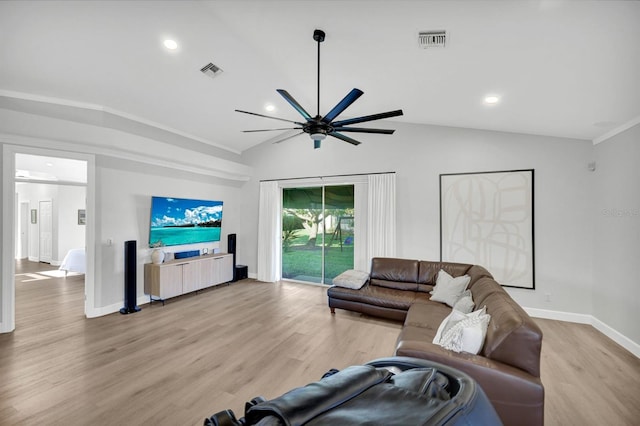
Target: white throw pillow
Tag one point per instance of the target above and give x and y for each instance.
(465, 304)
(351, 279)
(447, 323)
(463, 332)
(448, 289)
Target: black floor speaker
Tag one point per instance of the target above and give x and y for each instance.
(231, 248)
(130, 265)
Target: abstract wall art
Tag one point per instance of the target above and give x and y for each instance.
(487, 219)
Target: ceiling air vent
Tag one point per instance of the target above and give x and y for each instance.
(211, 70)
(429, 39)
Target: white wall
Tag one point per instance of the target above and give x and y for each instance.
(66, 200)
(4, 291)
(71, 235)
(566, 196)
(616, 299)
(123, 206)
(419, 154)
(129, 170)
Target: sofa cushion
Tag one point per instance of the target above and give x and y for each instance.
(476, 272)
(424, 298)
(482, 288)
(401, 274)
(512, 336)
(428, 271)
(426, 315)
(374, 295)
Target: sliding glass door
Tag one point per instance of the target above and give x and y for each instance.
(317, 232)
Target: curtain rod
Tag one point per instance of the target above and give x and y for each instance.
(330, 176)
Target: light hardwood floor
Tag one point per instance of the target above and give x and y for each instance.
(202, 353)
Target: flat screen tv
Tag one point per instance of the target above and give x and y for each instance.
(178, 221)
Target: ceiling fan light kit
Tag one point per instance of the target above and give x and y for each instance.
(319, 127)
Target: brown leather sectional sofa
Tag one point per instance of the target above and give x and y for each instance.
(508, 365)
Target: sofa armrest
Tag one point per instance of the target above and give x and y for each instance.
(512, 391)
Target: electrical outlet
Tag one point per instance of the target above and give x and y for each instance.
(547, 297)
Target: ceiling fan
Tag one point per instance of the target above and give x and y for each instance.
(319, 127)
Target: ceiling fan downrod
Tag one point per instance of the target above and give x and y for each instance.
(318, 35)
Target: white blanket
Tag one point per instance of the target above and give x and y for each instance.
(74, 261)
(351, 279)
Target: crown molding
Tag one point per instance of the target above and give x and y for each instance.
(629, 124)
(219, 168)
(104, 110)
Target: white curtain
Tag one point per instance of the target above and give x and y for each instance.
(360, 260)
(269, 265)
(381, 221)
(375, 221)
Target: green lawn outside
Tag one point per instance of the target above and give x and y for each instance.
(304, 263)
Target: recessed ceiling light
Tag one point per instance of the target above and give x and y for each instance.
(491, 99)
(270, 107)
(170, 44)
(49, 164)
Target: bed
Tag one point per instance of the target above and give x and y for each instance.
(74, 261)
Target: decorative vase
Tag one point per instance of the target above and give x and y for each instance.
(157, 256)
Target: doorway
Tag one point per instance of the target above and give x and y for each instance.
(317, 232)
(13, 175)
(45, 231)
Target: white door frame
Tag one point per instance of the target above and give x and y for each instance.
(7, 291)
(22, 251)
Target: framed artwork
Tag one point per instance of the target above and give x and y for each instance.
(34, 216)
(487, 219)
(82, 217)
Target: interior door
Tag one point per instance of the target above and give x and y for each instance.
(46, 231)
(23, 236)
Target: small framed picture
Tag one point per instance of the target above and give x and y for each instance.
(82, 217)
(34, 216)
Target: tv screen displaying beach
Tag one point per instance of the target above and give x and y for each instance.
(178, 221)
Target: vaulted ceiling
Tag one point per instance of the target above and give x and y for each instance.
(561, 68)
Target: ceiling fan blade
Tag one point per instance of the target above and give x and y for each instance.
(285, 137)
(294, 103)
(271, 130)
(363, 130)
(345, 138)
(342, 105)
(367, 118)
(268, 116)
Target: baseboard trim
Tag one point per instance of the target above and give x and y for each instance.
(603, 328)
(110, 309)
(559, 315)
(252, 275)
(37, 259)
(617, 337)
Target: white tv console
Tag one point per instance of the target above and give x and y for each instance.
(181, 276)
